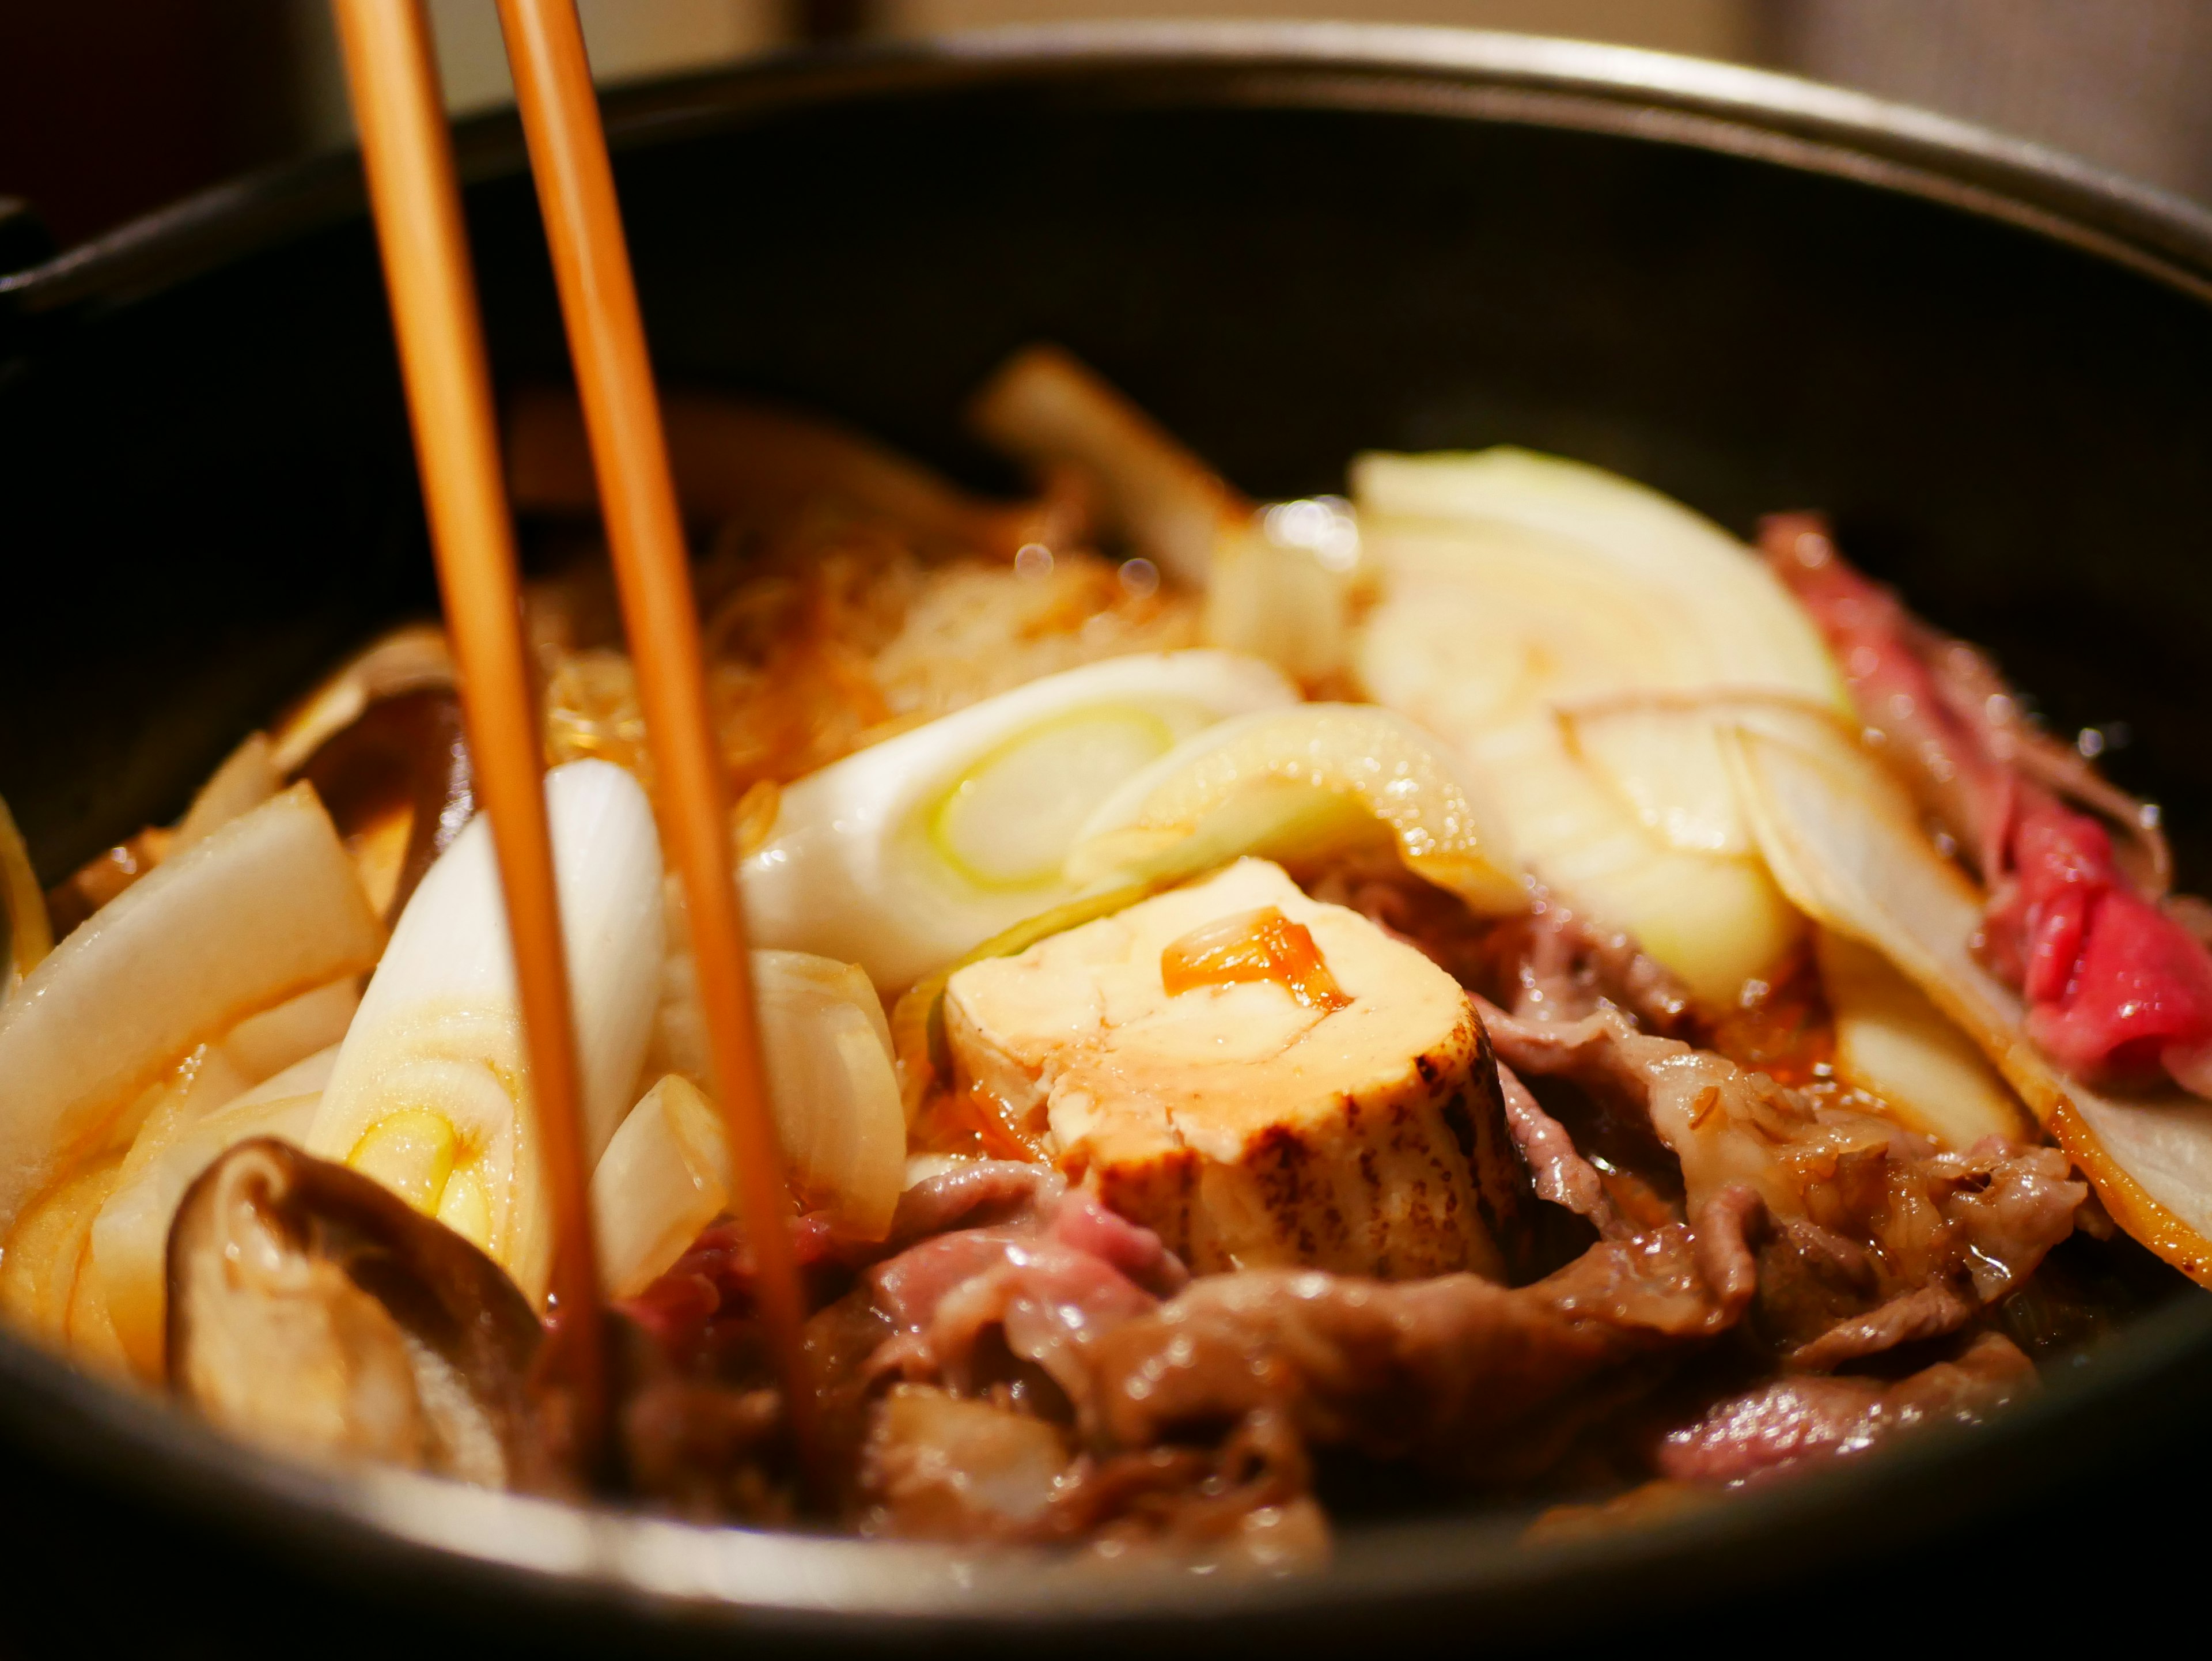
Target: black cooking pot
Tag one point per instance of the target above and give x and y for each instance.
(1288, 243)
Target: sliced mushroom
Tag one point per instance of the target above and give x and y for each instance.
(314, 1312)
(408, 659)
(397, 782)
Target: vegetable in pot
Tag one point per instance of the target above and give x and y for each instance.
(430, 1095)
(262, 909)
(314, 1312)
(909, 852)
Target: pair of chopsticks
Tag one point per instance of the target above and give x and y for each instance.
(408, 153)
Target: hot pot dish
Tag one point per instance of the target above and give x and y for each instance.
(1483, 984)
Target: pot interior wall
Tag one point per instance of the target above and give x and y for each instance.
(208, 491)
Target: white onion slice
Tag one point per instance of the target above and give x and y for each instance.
(1894, 1043)
(128, 1240)
(665, 1176)
(261, 1046)
(431, 1093)
(1748, 630)
(1287, 784)
(1667, 769)
(220, 1095)
(1528, 604)
(22, 908)
(1282, 587)
(45, 1255)
(1844, 841)
(412, 658)
(833, 1088)
(265, 908)
(903, 856)
(247, 778)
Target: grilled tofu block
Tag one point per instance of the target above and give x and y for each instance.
(1315, 1093)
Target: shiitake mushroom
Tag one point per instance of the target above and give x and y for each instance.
(313, 1311)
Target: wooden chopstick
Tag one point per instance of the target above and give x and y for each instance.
(408, 153)
(645, 533)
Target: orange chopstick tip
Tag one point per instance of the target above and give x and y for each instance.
(414, 198)
(645, 536)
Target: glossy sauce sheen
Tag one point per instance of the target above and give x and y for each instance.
(1262, 945)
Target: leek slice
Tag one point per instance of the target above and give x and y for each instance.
(906, 853)
(431, 1093)
(1301, 784)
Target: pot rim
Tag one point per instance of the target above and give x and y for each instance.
(1589, 86)
(386, 1527)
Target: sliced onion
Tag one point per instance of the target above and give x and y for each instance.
(409, 659)
(665, 1176)
(264, 908)
(1747, 629)
(220, 1095)
(1670, 773)
(47, 1248)
(263, 1045)
(905, 854)
(1282, 589)
(129, 1235)
(1844, 841)
(1526, 605)
(831, 1083)
(247, 778)
(838, 1111)
(23, 904)
(1296, 783)
(1894, 1043)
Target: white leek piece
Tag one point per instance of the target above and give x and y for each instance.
(665, 1176)
(431, 1095)
(130, 1236)
(1537, 613)
(264, 908)
(1287, 784)
(904, 855)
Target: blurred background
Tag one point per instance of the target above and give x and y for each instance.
(108, 111)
